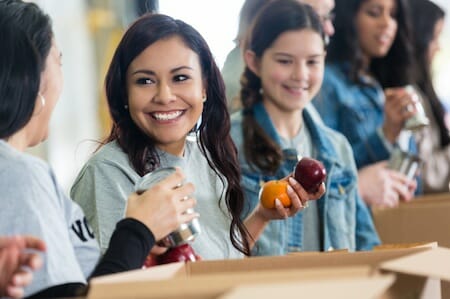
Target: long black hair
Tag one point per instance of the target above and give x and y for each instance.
(397, 68)
(426, 15)
(274, 19)
(214, 131)
(25, 41)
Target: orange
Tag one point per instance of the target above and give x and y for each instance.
(272, 190)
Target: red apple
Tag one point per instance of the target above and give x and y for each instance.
(310, 173)
(182, 253)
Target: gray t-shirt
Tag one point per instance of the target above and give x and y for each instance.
(311, 228)
(105, 182)
(34, 204)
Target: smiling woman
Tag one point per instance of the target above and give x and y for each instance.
(161, 82)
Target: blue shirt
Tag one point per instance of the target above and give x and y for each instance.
(345, 222)
(357, 111)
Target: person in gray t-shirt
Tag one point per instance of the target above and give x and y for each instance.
(162, 80)
(32, 202)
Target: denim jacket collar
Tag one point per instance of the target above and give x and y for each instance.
(324, 146)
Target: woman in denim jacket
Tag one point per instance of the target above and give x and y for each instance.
(284, 69)
(369, 59)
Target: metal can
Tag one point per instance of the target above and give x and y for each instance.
(187, 232)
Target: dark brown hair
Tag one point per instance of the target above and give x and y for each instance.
(214, 130)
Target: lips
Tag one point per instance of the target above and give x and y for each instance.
(384, 38)
(295, 89)
(167, 115)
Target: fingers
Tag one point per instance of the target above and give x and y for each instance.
(15, 292)
(281, 209)
(301, 193)
(34, 243)
(32, 260)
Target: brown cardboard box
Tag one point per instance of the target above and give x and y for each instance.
(211, 279)
(425, 219)
(351, 288)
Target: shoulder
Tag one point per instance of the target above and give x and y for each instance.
(110, 160)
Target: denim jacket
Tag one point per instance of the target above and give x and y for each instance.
(344, 219)
(357, 111)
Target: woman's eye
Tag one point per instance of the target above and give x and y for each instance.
(374, 12)
(143, 81)
(179, 78)
(284, 61)
(313, 61)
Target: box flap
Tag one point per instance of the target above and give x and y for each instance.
(357, 288)
(173, 270)
(434, 263)
(212, 285)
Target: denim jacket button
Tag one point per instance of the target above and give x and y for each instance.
(341, 189)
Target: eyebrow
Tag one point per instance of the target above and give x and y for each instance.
(149, 72)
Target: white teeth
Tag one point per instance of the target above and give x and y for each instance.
(167, 116)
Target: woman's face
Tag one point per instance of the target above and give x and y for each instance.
(435, 45)
(291, 70)
(166, 92)
(376, 27)
(50, 90)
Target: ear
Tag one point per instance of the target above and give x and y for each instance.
(251, 61)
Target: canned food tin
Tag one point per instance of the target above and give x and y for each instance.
(187, 231)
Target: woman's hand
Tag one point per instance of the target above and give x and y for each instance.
(14, 258)
(400, 105)
(299, 201)
(163, 207)
(383, 187)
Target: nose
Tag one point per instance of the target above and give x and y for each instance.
(387, 20)
(328, 28)
(300, 72)
(164, 93)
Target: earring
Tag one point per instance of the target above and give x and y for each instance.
(204, 99)
(43, 101)
(261, 91)
(125, 107)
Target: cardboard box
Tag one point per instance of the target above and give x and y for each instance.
(425, 219)
(352, 288)
(417, 277)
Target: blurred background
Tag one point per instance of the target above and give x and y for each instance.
(87, 32)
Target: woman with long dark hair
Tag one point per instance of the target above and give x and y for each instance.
(369, 63)
(33, 203)
(167, 101)
(434, 140)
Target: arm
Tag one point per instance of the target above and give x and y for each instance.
(101, 189)
(149, 217)
(436, 170)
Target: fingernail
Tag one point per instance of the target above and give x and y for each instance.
(290, 189)
(291, 180)
(277, 202)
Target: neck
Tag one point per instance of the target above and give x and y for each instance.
(287, 123)
(18, 140)
(175, 149)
